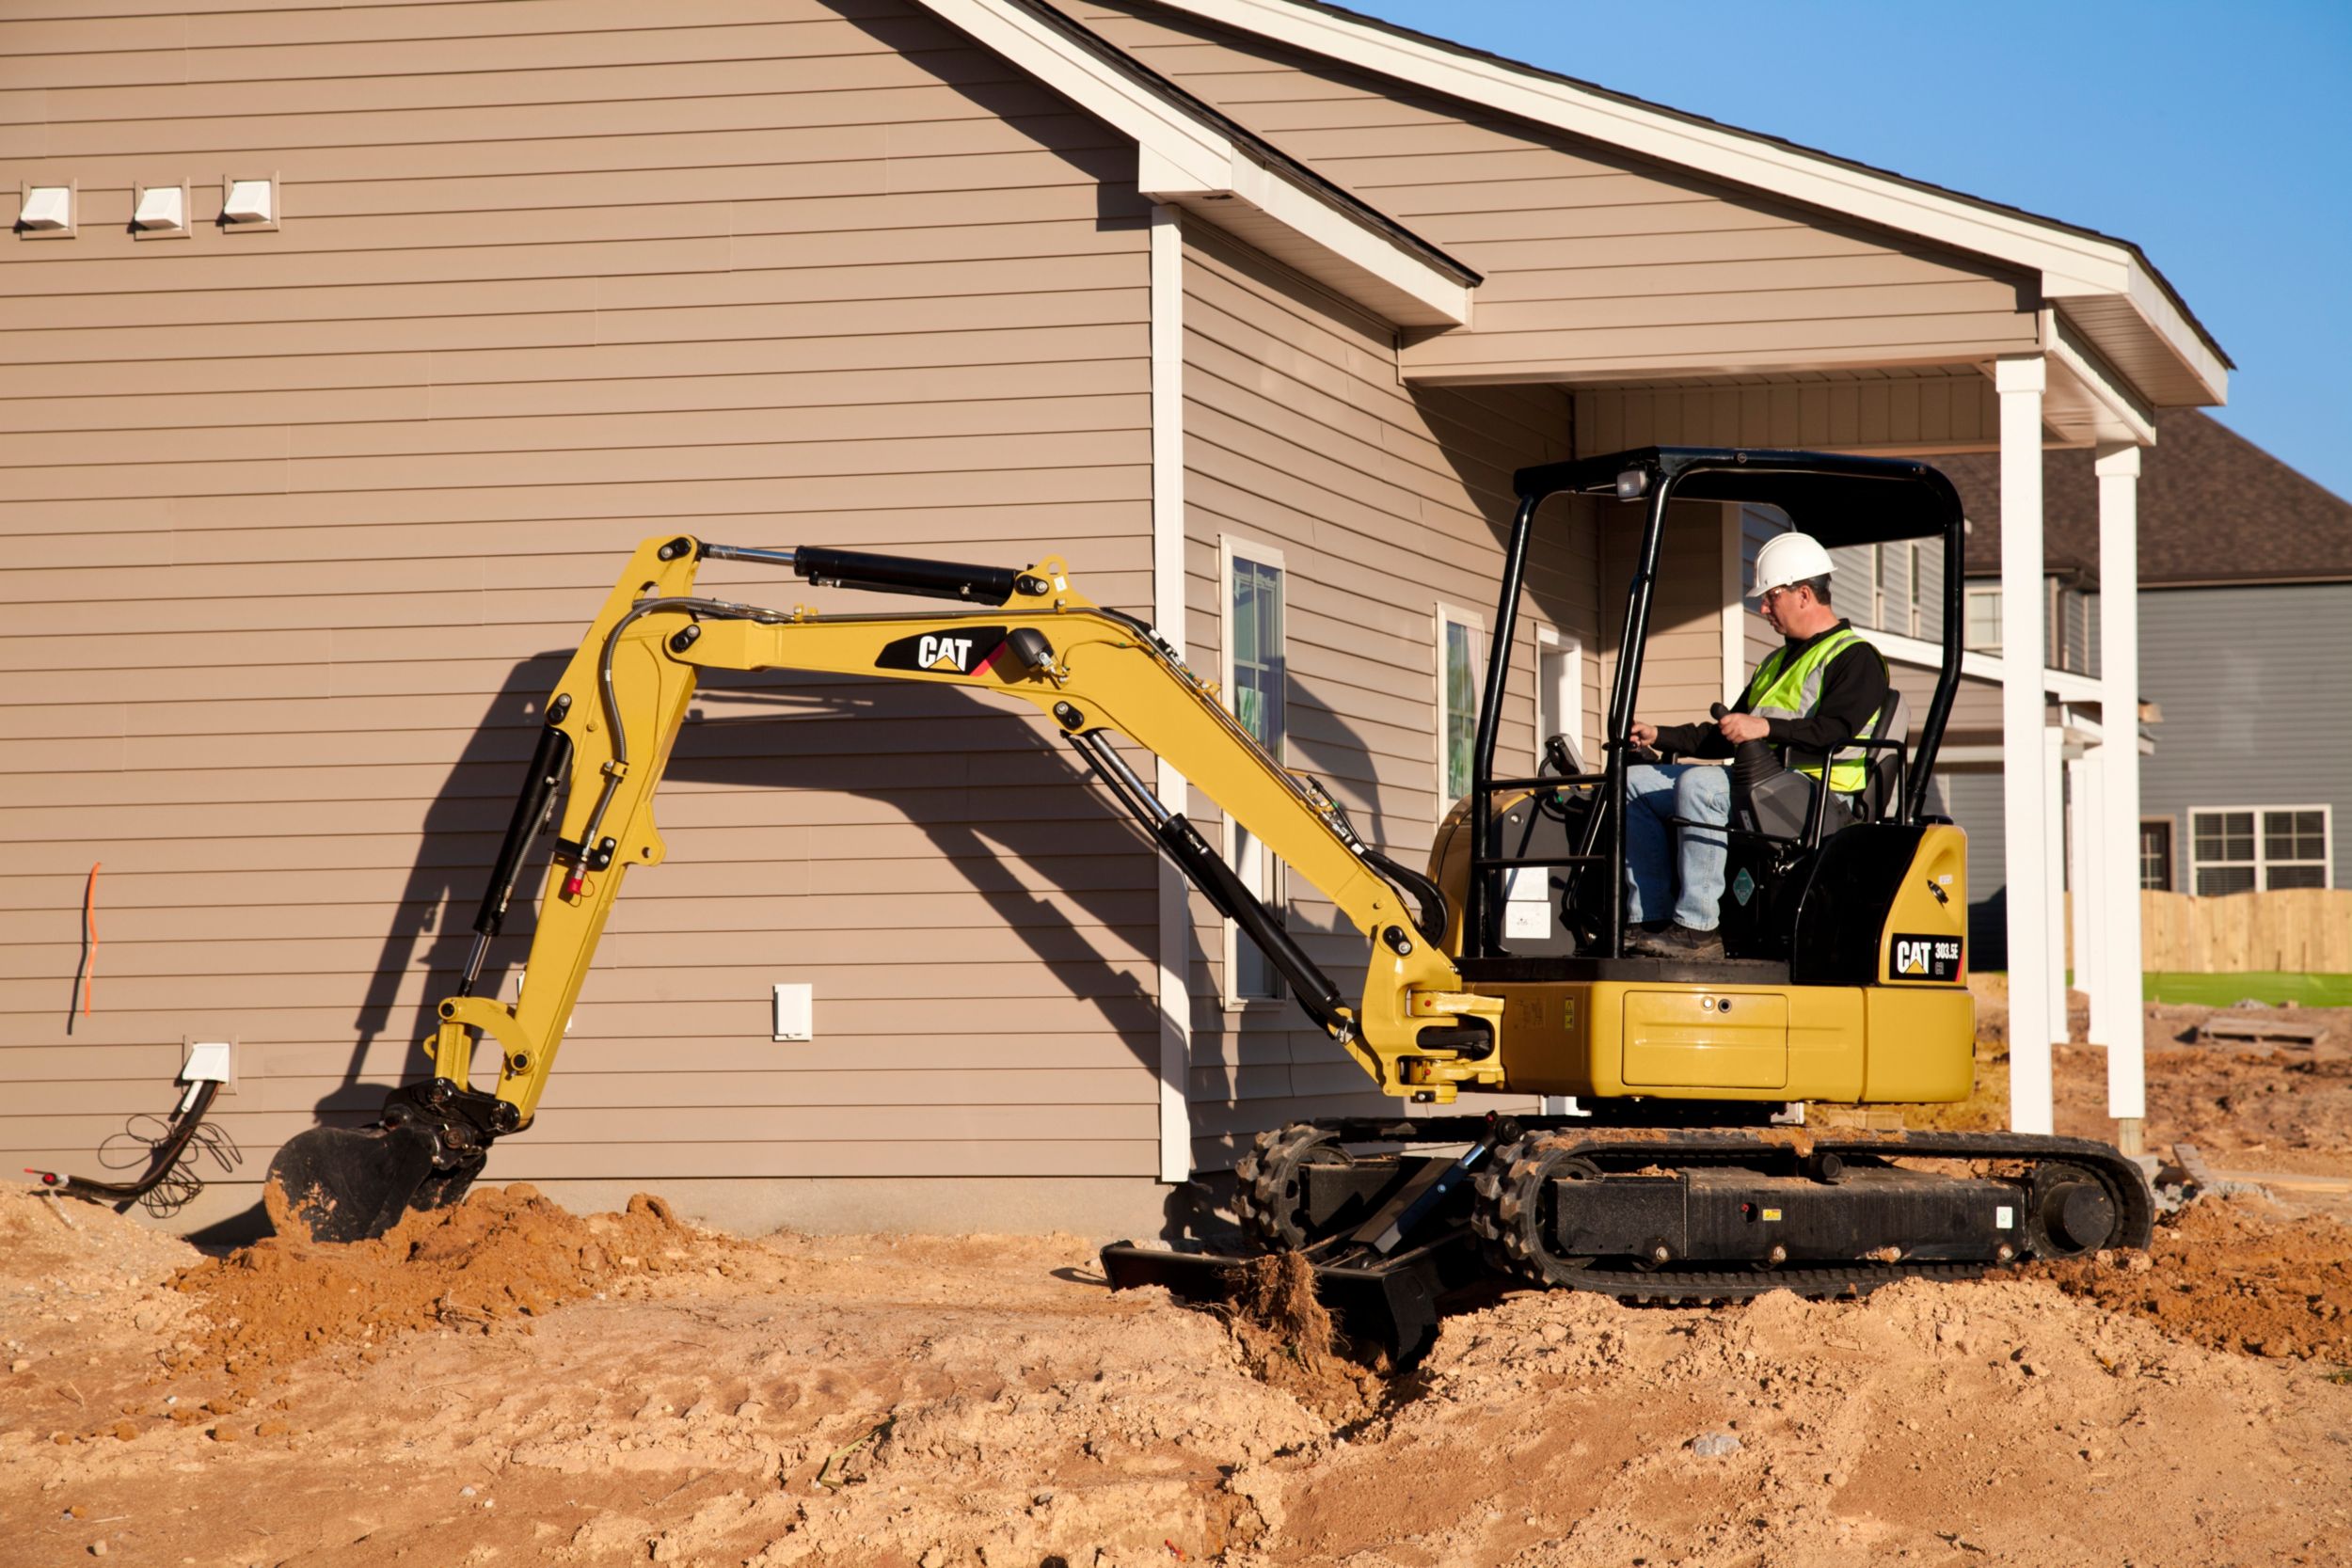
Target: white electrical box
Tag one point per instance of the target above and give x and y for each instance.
(210, 1061)
(796, 1011)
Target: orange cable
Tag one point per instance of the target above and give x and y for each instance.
(89, 937)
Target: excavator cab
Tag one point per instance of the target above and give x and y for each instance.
(1546, 881)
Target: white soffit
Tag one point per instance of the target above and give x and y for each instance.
(2087, 402)
(2073, 265)
(1187, 160)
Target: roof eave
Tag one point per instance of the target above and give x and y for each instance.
(2074, 262)
(1190, 156)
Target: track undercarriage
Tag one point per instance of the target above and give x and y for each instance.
(1393, 1213)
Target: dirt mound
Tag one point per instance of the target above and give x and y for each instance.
(1288, 1340)
(503, 1255)
(2232, 1274)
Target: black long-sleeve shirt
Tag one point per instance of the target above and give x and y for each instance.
(1854, 687)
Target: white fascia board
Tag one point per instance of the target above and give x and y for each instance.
(1183, 149)
(1442, 300)
(2068, 263)
(2062, 685)
(1183, 161)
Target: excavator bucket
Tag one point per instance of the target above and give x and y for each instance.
(351, 1184)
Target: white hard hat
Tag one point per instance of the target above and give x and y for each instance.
(1790, 558)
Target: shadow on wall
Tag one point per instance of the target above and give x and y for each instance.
(738, 733)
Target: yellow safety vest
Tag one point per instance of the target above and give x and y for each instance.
(1789, 689)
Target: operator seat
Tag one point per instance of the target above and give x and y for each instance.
(1780, 804)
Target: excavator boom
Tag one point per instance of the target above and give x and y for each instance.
(1099, 675)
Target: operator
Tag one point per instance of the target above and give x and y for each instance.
(1821, 688)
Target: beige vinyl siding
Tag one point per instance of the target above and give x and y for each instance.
(1905, 411)
(1598, 265)
(1385, 501)
(1683, 662)
(302, 525)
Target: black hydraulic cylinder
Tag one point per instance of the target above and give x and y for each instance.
(1235, 902)
(900, 574)
(550, 761)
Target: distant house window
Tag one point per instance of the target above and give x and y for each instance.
(2155, 854)
(1459, 635)
(1255, 681)
(1911, 621)
(1984, 620)
(2240, 849)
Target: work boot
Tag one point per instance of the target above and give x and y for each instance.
(1680, 941)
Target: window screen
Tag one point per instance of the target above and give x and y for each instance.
(1457, 702)
(1253, 629)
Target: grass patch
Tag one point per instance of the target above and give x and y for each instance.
(2227, 990)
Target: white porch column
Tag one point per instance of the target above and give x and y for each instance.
(2053, 871)
(2024, 759)
(2085, 860)
(1168, 614)
(2117, 1011)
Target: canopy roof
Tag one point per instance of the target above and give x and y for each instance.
(1839, 499)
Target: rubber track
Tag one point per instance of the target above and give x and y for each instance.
(1722, 1145)
(1813, 1281)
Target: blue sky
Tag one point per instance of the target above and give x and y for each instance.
(2218, 137)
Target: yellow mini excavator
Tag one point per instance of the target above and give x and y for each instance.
(1687, 1169)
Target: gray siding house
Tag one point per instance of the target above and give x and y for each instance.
(2245, 645)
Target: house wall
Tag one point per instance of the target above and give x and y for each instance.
(1909, 411)
(300, 525)
(1598, 265)
(2251, 682)
(1385, 501)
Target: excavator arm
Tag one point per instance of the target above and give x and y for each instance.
(1097, 673)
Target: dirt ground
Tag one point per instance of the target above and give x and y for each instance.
(508, 1382)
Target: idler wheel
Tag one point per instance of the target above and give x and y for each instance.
(1267, 1191)
(2070, 1213)
(1514, 1209)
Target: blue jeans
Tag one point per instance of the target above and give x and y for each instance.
(1653, 794)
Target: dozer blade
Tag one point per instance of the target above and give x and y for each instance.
(1388, 1302)
(350, 1184)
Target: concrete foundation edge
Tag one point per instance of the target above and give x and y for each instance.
(1106, 1208)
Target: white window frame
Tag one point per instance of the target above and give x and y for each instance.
(1274, 893)
(2261, 863)
(1446, 615)
(1979, 590)
(1568, 719)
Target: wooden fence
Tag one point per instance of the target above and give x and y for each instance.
(2294, 930)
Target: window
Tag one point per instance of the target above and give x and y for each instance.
(1559, 692)
(2240, 849)
(1255, 686)
(2155, 854)
(1984, 620)
(1459, 635)
(1911, 620)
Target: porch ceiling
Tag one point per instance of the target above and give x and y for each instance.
(1918, 409)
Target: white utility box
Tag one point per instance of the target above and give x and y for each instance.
(796, 1011)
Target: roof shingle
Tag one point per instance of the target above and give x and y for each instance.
(2214, 507)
